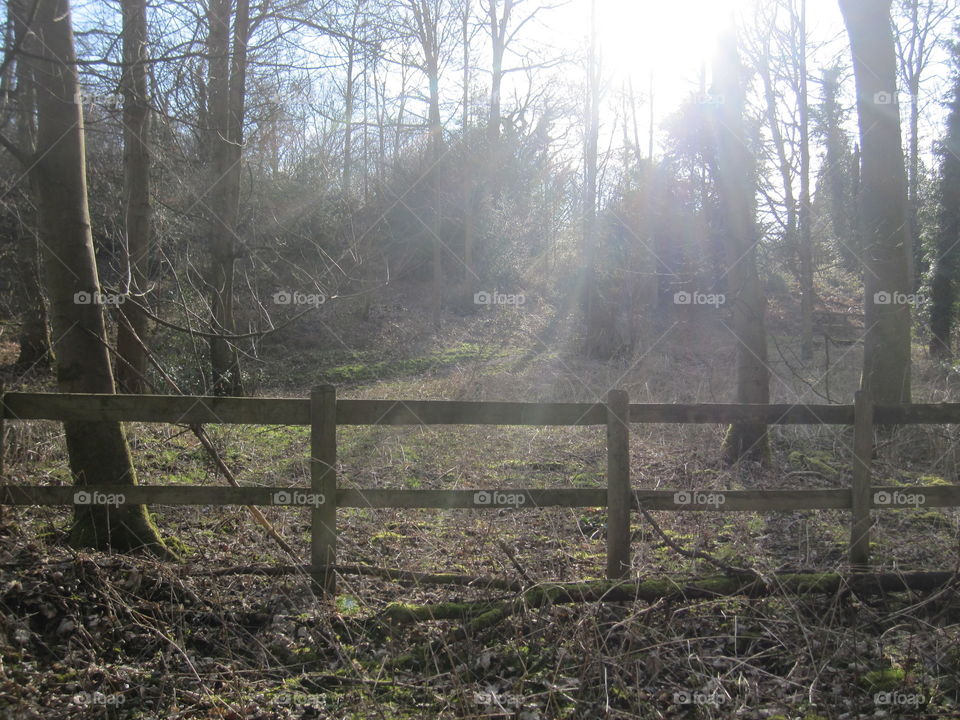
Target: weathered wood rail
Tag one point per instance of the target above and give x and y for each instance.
(323, 412)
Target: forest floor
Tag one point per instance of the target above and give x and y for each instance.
(91, 635)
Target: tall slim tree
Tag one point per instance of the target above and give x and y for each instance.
(34, 337)
(917, 36)
(98, 450)
(883, 202)
(432, 24)
(132, 329)
(943, 290)
(226, 90)
(588, 292)
(735, 188)
(837, 166)
(805, 247)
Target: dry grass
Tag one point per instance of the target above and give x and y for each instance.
(177, 645)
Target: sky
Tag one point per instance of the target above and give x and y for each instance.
(675, 39)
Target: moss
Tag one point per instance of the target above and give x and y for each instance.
(883, 680)
(932, 518)
(815, 461)
(931, 480)
(385, 535)
(363, 370)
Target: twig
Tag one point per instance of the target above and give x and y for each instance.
(508, 551)
(693, 554)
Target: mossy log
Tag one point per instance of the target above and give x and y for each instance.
(653, 590)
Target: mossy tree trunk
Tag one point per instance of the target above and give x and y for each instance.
(98, 450)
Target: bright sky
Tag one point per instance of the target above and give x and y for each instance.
(674, 38)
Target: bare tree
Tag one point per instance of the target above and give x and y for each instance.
(918, 24)
(226, 86)
(588, 300)
(433, 25)
(943, 290)
(132, 329)
(34, 339)
(883, 202)
(98, 450)
(735, 188)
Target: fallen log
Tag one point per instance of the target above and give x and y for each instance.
(676, 589)
(482, 614)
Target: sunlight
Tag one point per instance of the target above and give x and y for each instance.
(672, 38)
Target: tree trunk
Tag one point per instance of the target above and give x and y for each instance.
(436, 137)
(132, 329)
(942, 291)
(227, 72)
(836, 168)
(469, 274)
(805, 246)
(34, 337)
(593, 323)
(98, 450)
(735, 188)
(883, 203)
(497, 38)
(918, 261)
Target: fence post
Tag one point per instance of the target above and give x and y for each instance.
(323, 479)
(861, 490)
(618, 484)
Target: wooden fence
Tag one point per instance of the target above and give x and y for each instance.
(323, 412)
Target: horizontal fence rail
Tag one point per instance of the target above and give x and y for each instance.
(323, 412)
(296, 411)
(705, 500)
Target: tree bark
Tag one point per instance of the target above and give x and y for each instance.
(943, 291)
(98, 450)
(883, 203)
(132, 329)
(837, 156)
(593, 324)
(735, 187)
(498, 38)
(226, 86)
(34, 337)
(805, 247)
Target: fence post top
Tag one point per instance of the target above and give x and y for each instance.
(323, 389)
